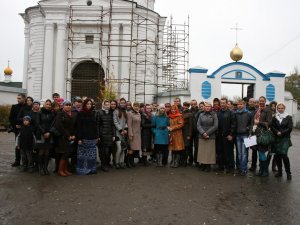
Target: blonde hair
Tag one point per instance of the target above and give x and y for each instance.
(282, 104)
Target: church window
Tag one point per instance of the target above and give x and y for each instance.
(89, 39)
(206, 90)
(270, 92)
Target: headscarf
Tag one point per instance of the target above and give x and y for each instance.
(280, 116)
(173, 116)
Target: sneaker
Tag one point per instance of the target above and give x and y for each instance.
(289, 176)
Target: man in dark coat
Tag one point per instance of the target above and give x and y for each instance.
(225, 137)
(15, 124)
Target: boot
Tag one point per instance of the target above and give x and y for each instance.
(159, 159)
(144, 159)
(279, 165)
(274, 165)
(278, 174)
(61, 167)
(287, 167)
(172, 165)
(265, 169)
(131, 161)
(56, 165)
(41, 165)
(260, 172)
(127, 161)
(45, 167)
(66, 169)
(176, 159)
(207, 168)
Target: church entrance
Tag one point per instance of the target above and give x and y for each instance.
(234, 91)
(87, 78)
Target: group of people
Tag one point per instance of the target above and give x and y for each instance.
(201, 134)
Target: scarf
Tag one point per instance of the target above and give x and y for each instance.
(173, 116)
(281, 116)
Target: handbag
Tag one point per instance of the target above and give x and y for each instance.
(53, 130)
(265, 138)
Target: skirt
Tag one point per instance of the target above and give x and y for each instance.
(207, 151)
(86, 157)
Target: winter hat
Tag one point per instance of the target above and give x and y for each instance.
(36, 102)
(28, 118)
(161, 106)
(67, 102)
(60, 101)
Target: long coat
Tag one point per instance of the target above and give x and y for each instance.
(160, 131)
(120, 123)
(106, 128)
(146, 132)
(86, 126)
(207, 123)
(44, 121)
(176, 143)
(283, 142)
(134, 130)
(65, 124)
(188, 127)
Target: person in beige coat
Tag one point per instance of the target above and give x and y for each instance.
(176, 143)
(134, 132)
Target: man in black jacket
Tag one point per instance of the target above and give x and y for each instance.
(15, 124)
(225, 137)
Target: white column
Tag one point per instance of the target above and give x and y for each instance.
(60, 61)
(26, 55)
(47, 83)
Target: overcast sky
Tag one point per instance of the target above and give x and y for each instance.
(270, 38)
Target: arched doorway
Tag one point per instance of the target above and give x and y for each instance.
(87, 77)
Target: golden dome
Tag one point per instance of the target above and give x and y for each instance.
(8, 71)
(236, 53)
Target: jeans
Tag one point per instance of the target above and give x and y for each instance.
(242, 152)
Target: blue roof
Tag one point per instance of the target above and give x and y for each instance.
(264, 76)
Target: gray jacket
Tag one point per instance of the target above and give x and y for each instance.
(207, 123)
(120, 123)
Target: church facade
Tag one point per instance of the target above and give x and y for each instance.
(77, 48)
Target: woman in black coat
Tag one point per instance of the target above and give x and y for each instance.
(282, 125)
(65, 125)
(147, 126)
(107, 134)
(44, 138)
(87, 136)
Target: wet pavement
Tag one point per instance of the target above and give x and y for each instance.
(147, 195)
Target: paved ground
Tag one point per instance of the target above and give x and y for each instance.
(147, 196)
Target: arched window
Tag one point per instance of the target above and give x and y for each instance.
(87, 77)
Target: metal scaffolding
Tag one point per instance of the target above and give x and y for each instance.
(137, 54)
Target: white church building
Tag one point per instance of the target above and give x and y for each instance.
(77, 47)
